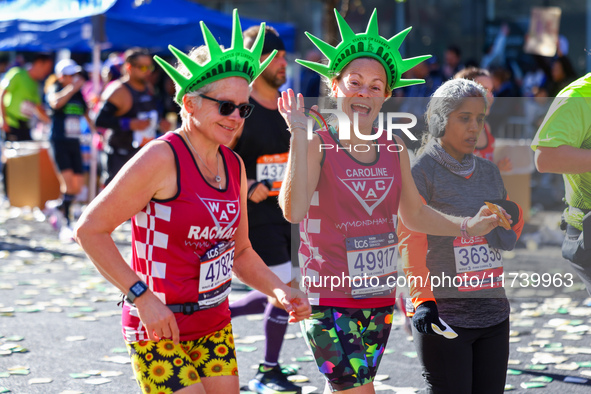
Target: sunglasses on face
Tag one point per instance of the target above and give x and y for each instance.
(144, 68)
(226, 108)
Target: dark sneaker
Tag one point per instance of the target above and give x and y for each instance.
(272, 380)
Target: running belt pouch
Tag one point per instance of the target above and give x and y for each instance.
(573, 248)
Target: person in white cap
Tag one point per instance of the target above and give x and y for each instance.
(69, 108)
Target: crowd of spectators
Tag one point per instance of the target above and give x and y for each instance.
(535, 83)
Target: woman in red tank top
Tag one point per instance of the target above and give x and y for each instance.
(185, 193)
(346, 193)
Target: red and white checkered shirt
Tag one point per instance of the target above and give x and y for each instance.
(170, 236)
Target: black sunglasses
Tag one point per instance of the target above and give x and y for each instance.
(227, 107)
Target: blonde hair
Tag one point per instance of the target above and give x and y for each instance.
(201, 56)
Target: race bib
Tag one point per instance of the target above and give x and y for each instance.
(72, 127)
(478, 265)
(27, 108)
(272, 168)
(372, 262)
(215, 277)
(142, 137)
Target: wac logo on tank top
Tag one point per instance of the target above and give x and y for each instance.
(370, 186)
(224, 214)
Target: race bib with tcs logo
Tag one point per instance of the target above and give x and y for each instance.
(215, 276)
(372, 259)
(478, 265)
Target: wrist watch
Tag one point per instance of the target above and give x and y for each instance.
(136, 290)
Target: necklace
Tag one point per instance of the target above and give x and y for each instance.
(217, 176)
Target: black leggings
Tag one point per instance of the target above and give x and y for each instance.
(473, 363)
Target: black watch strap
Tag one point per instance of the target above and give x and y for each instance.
(136, 290)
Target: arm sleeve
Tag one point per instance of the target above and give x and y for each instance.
(511, 207)
(106, 118)
(518, 223)
(413, 248)
(515, 211)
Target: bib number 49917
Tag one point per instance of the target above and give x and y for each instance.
(372, 259)
(368, 262)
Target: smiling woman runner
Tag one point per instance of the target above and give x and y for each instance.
(471, 299)
(185, 193)
(347, 202)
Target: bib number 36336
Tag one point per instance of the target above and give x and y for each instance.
(478, 265)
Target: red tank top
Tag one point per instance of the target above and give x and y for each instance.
(170, 236)
(350, 228)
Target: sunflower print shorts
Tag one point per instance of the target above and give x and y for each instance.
(163, 367)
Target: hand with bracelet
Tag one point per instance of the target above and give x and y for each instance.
(293, 111)
(483, 223)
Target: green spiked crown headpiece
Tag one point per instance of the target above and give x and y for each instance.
(234, 62)
(368, 44)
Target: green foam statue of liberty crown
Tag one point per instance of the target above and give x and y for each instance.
(368, 44)
(236, 61)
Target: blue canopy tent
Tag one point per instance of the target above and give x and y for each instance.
(49, 25)
(95, 25)
(176, 22)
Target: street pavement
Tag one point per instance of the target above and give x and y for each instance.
(60, 329)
